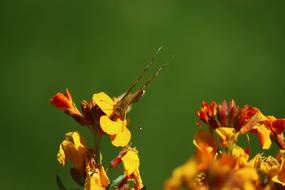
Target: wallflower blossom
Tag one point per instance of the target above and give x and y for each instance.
(207, 113)
(229, 118)
(227, 113)
(103, 115)
(130, 159)
(110, 124)
(96, 177)
(73, 148)
(250, 119)
(64, 102)
(205, 139)
(219, 161)
(224, 164)
(276, 126)
(183, 176)
(227, 135)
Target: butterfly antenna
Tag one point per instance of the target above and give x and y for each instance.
(144, 71)
(153, 76)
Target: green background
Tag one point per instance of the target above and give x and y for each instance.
(224, 49)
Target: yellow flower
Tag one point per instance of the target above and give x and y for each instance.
(280, 177)
(73, 148)
(227, 135)
(239, 154)
(96, 178)
(111, 124)
(245, 178)
(131, 162)
(182, 176)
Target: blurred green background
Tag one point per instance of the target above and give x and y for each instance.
(224, 49)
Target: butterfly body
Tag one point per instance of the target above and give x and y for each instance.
(124, 103)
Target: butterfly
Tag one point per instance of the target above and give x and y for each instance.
(118, 107)
(124, 102)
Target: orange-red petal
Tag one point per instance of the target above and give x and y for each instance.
(62, 101)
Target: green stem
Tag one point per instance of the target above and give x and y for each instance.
(97, 140)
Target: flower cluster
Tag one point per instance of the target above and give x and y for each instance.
(221, 163)
(104, 116)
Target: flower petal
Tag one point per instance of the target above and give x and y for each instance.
(92, 181)
(62, 101)
(280, 177)
(226, 134)
(103, 176)
(72, 148)
(104, 102)
(278, 126)
(263, 135)
(204, 139)
(248, 117)
(111, 127)
(131, 162)
(122, 138)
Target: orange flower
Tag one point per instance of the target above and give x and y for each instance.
(275, 125)
(64, 102)
(207, 113)
(263, 134)
(204, 139)
(110, 124)
(250, 119)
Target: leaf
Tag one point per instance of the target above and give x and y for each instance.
(116, 181)
(59, 183)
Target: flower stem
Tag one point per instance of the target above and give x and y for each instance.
(97, 140)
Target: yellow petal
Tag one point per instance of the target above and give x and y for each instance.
(103, 177)
(280, 177)
(104, 102)
(61, 156)
(247, 174)
(122, 138)
(131, 162)
(263, 135)
(226, 134)
(240, 154)
(72, 148)
(204, 139)
(182, 175)
(255, 161)
(111, 127)
(92, 181)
